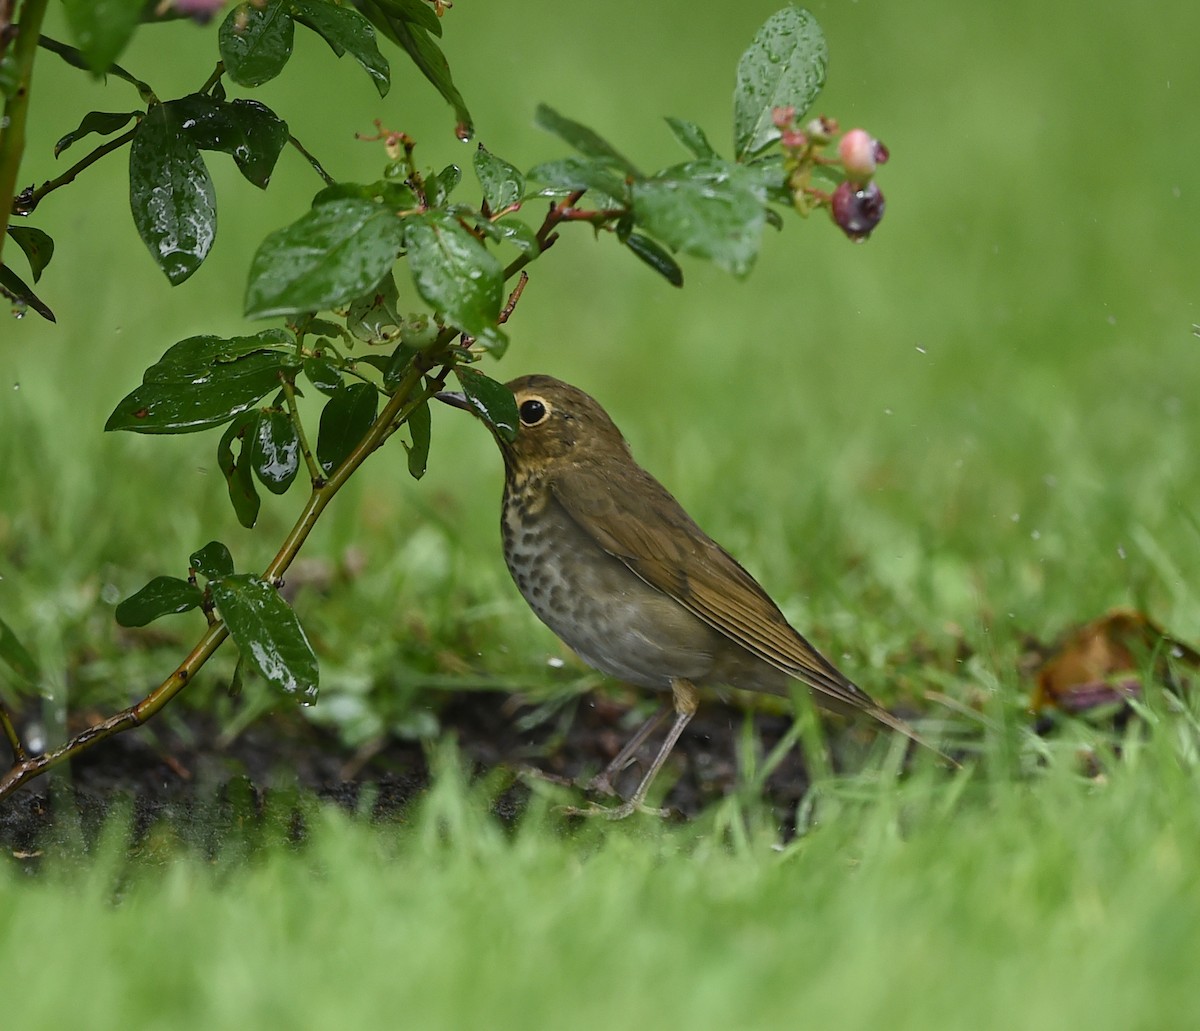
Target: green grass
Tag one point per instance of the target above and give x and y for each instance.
(972, 902)
(979, 427)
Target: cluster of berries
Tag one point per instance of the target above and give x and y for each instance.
(856, 203)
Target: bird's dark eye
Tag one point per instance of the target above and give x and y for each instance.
(532, 412)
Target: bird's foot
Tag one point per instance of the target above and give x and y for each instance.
(601, 784)
(615, 812)
(550, 778)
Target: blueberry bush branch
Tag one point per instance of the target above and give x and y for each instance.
(341, 281)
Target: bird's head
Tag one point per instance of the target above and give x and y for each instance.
(557, 423)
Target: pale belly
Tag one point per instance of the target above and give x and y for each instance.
(614, 621)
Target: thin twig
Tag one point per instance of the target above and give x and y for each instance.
(329, 180)
(30, 199)
(137, 714)
(14, 739)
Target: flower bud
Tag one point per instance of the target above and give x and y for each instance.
(861, 153)
(857, 208)
(821, 129)
(782, 117)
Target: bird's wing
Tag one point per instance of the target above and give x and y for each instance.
(640, 523)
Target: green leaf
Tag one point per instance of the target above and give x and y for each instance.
(251, 133)
(102, 28)
(268, 634)
(373, 317)
(783, 67)
(503, 186)
(656, 258)
(443, 184)
(396, 21)
(567, 175)
(16, 657)
(493, 401)
(514, 231)
(419, 425)
(712, 209)
(204, 381)
(456, 275)
(105, 123)
(38, 247)
(345, 419)
(329, 256)
(417, 11)
(76, 59)
(238, 471)
(21, 294)
(162, 596)
(256, 41)
(692, 137)
(588, 142)
(346, 31)
(275, 451)
(323, 375)
(171, 195)
(212, 561)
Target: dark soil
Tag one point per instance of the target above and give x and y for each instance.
(180, 771)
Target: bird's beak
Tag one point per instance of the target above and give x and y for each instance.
(456, 400)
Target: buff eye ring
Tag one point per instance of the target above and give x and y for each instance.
(533, 412)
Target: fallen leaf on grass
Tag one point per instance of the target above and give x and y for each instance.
(1105, 660)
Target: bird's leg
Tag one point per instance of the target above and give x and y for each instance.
(686, 702)
(602, 782)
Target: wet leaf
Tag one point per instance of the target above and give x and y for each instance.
(238, 469)
(511, 229)
(783, 67)
(409, 29)
(251, 133)
(712, 209)
(456, 275)
(606, 187)
(417, 11)
(37, 245)
(171, 195)
(162, 596)
(587, 141)
(419, 425)
(256, 42)
(212, 560)
(492, 401)
(76, 59)
(268, 634)
(16, 657)
(347, 32)
(692, 137)
(105, 123)
(373, 317)
(204, 381)
(329, 256)
(656, 258)
(443, 184)
(21, 293)
(345, 420)
(102, 30)
(275, 451)
(503, 186)
(323, 375)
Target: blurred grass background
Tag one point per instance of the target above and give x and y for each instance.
(978, 426)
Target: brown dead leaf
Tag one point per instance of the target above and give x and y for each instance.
(1104, 661)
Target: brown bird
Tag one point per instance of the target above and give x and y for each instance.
(611, 562)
